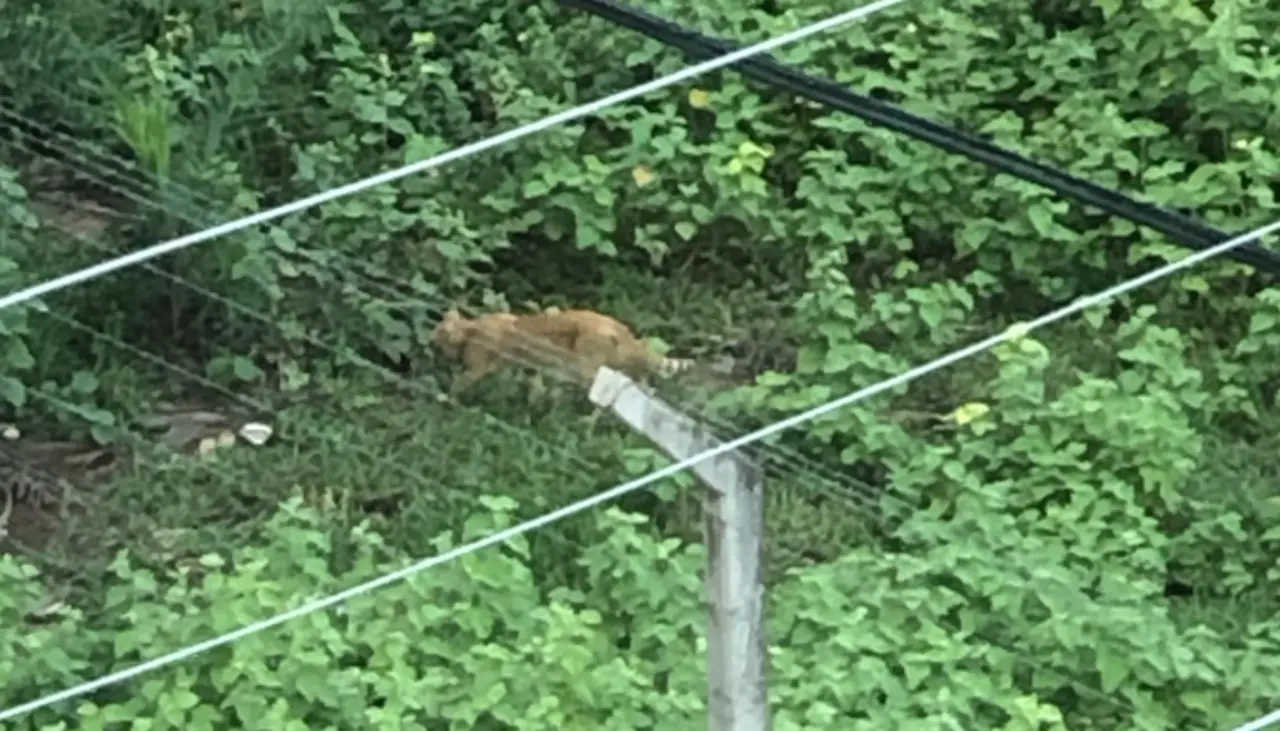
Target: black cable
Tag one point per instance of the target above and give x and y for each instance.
(1182, 229)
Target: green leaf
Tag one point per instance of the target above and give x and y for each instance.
(1113, 668)
(84, 382)
(281, 240)
(1193, 283)
(17, 355)
(841, 358)
(245, 369)
(450, 250)
(1109, 8)
(13, 391)
(686, 230)
(103, 434)
(418, 147)
(96, 416)
(1041, 218)
(1262, 321)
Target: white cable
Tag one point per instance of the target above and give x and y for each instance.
(182, 242)
(636, 484)
(1260, 723)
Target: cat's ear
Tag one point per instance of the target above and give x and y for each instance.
(452, 315)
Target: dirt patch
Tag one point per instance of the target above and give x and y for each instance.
(30, 528)
(50, 491)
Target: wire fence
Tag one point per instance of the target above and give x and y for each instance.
(391, 293)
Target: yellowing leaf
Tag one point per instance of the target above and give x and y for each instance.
(970, 412)
(642, 175)
(699, 99)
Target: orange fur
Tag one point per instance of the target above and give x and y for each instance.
(580, 341)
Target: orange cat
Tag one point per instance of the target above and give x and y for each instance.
(580, 341)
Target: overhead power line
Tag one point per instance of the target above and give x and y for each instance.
(1184, 230)
(646, 480)
(182, 242)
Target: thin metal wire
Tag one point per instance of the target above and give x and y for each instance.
(558, 356)
(267, 408)
(777, 454)
(401, 470)
(458, 153)
(559, 366)
(383, 371)
(121, 171)
(776, 459)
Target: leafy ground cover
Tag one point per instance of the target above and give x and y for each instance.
(1074, 531)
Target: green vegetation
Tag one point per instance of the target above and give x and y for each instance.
(1075, 531)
